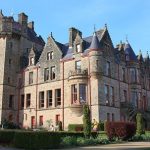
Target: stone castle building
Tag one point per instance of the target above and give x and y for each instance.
(41, 82)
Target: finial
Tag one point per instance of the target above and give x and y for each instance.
(106, 25)
(12, 13)
(1, 12)
(51, 34)
(126, 38)
(140, 52)
(94, 28)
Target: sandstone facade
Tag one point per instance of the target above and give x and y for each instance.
(40, 83)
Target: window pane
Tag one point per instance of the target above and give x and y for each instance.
(78, 48)
(74, 93)
(31, 60)
(52, 72)
(28, 99)
(49, 98)
(58, 97)
(46, 74)
(78, 65)
(30, 77)
(41, 120)
(41, 99)
(82, 93)
(132, 74)
(11, 101)
(112, 95)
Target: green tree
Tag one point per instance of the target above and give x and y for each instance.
(139, 124)
(86, 121)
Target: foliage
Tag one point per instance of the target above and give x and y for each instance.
(37, 140)
(86, 121)
(75, 127)
(139, 124)
(82, 141)
(121, 130)
(142, 137)
(69, 141)
(101, 126)
(46, 140)
(49, 122)
(6, 136)
(9, 125)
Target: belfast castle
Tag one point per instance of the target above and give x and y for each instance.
(52, 81)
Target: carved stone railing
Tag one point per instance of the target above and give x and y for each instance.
(78, 73)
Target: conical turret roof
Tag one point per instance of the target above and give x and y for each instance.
(129, 51)
(95, 44)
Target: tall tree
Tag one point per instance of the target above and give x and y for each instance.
(86, 121)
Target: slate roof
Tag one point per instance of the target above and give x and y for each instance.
(32, 36)
(129, 51)
(95, 44)
(86, 42)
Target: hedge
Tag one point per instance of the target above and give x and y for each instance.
(75, 127)
(122, 130)
(6, 136)
(37, 139)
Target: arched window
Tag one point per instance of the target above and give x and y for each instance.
(50, 55)
(31, 60)
(78, 48)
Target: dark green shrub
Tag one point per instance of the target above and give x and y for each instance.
(69, 141)
(37, 140)
(86, 121)
(75, 127)
(101, 126)
(76, 134)
(142, 137)
(139, 124)
(6, 136)
(9, 125)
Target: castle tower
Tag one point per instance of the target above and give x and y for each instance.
(15, 40)
(95, 53)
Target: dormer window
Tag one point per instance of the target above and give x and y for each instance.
(78, 48)
(50, 55)
(31, 60)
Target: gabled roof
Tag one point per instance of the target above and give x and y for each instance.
(95, 44)
(129, 51)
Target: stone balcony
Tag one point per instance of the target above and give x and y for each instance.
(78, 74)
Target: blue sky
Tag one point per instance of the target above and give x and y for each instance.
(129, 18)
